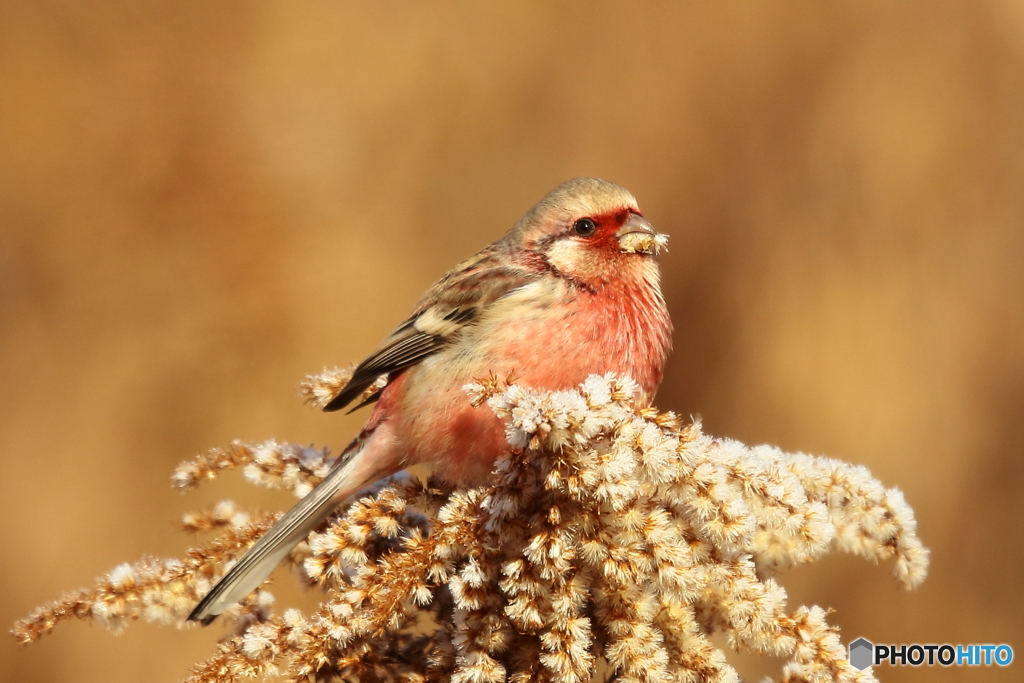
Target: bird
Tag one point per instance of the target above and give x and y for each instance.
(572, 290)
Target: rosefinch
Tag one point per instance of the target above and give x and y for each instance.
(572, 290)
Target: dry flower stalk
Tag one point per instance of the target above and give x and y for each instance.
(608, 533)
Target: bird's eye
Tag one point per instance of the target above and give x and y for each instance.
(584, 227)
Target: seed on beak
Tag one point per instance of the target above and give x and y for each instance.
(638, 236)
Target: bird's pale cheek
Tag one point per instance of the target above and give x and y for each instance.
(575, 259)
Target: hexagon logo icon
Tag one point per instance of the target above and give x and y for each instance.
(862, 653)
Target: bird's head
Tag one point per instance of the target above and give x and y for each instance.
(591, 230)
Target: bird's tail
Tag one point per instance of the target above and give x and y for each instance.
(347, 477)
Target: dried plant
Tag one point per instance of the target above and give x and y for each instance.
(608, 533)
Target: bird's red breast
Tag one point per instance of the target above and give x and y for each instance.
(550, 334)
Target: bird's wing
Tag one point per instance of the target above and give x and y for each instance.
(455, 301)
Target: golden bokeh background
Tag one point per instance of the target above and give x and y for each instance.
(201, 202)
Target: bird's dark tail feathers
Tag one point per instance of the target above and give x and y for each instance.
(268, 552)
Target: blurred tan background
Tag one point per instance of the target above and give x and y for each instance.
(202, 202)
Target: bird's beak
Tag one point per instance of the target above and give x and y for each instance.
(638, 236)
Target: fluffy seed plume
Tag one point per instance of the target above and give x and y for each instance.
(609, 538)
